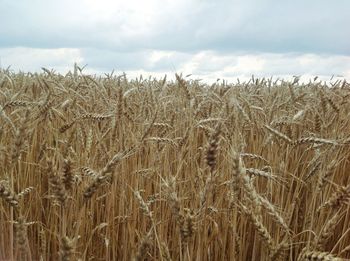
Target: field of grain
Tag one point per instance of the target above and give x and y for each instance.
(108, 168)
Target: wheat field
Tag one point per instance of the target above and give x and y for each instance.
(109, 168)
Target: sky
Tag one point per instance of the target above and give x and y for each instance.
(211, 40)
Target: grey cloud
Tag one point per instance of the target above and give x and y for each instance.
(139, 60)
(107, 60)
(317, 26)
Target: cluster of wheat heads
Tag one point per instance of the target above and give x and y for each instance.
(106, 168)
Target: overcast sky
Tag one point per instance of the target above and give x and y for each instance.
(209, 39)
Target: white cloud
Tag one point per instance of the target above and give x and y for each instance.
(207, 65)
(29, 59)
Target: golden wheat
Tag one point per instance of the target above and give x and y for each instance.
(109, 168)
